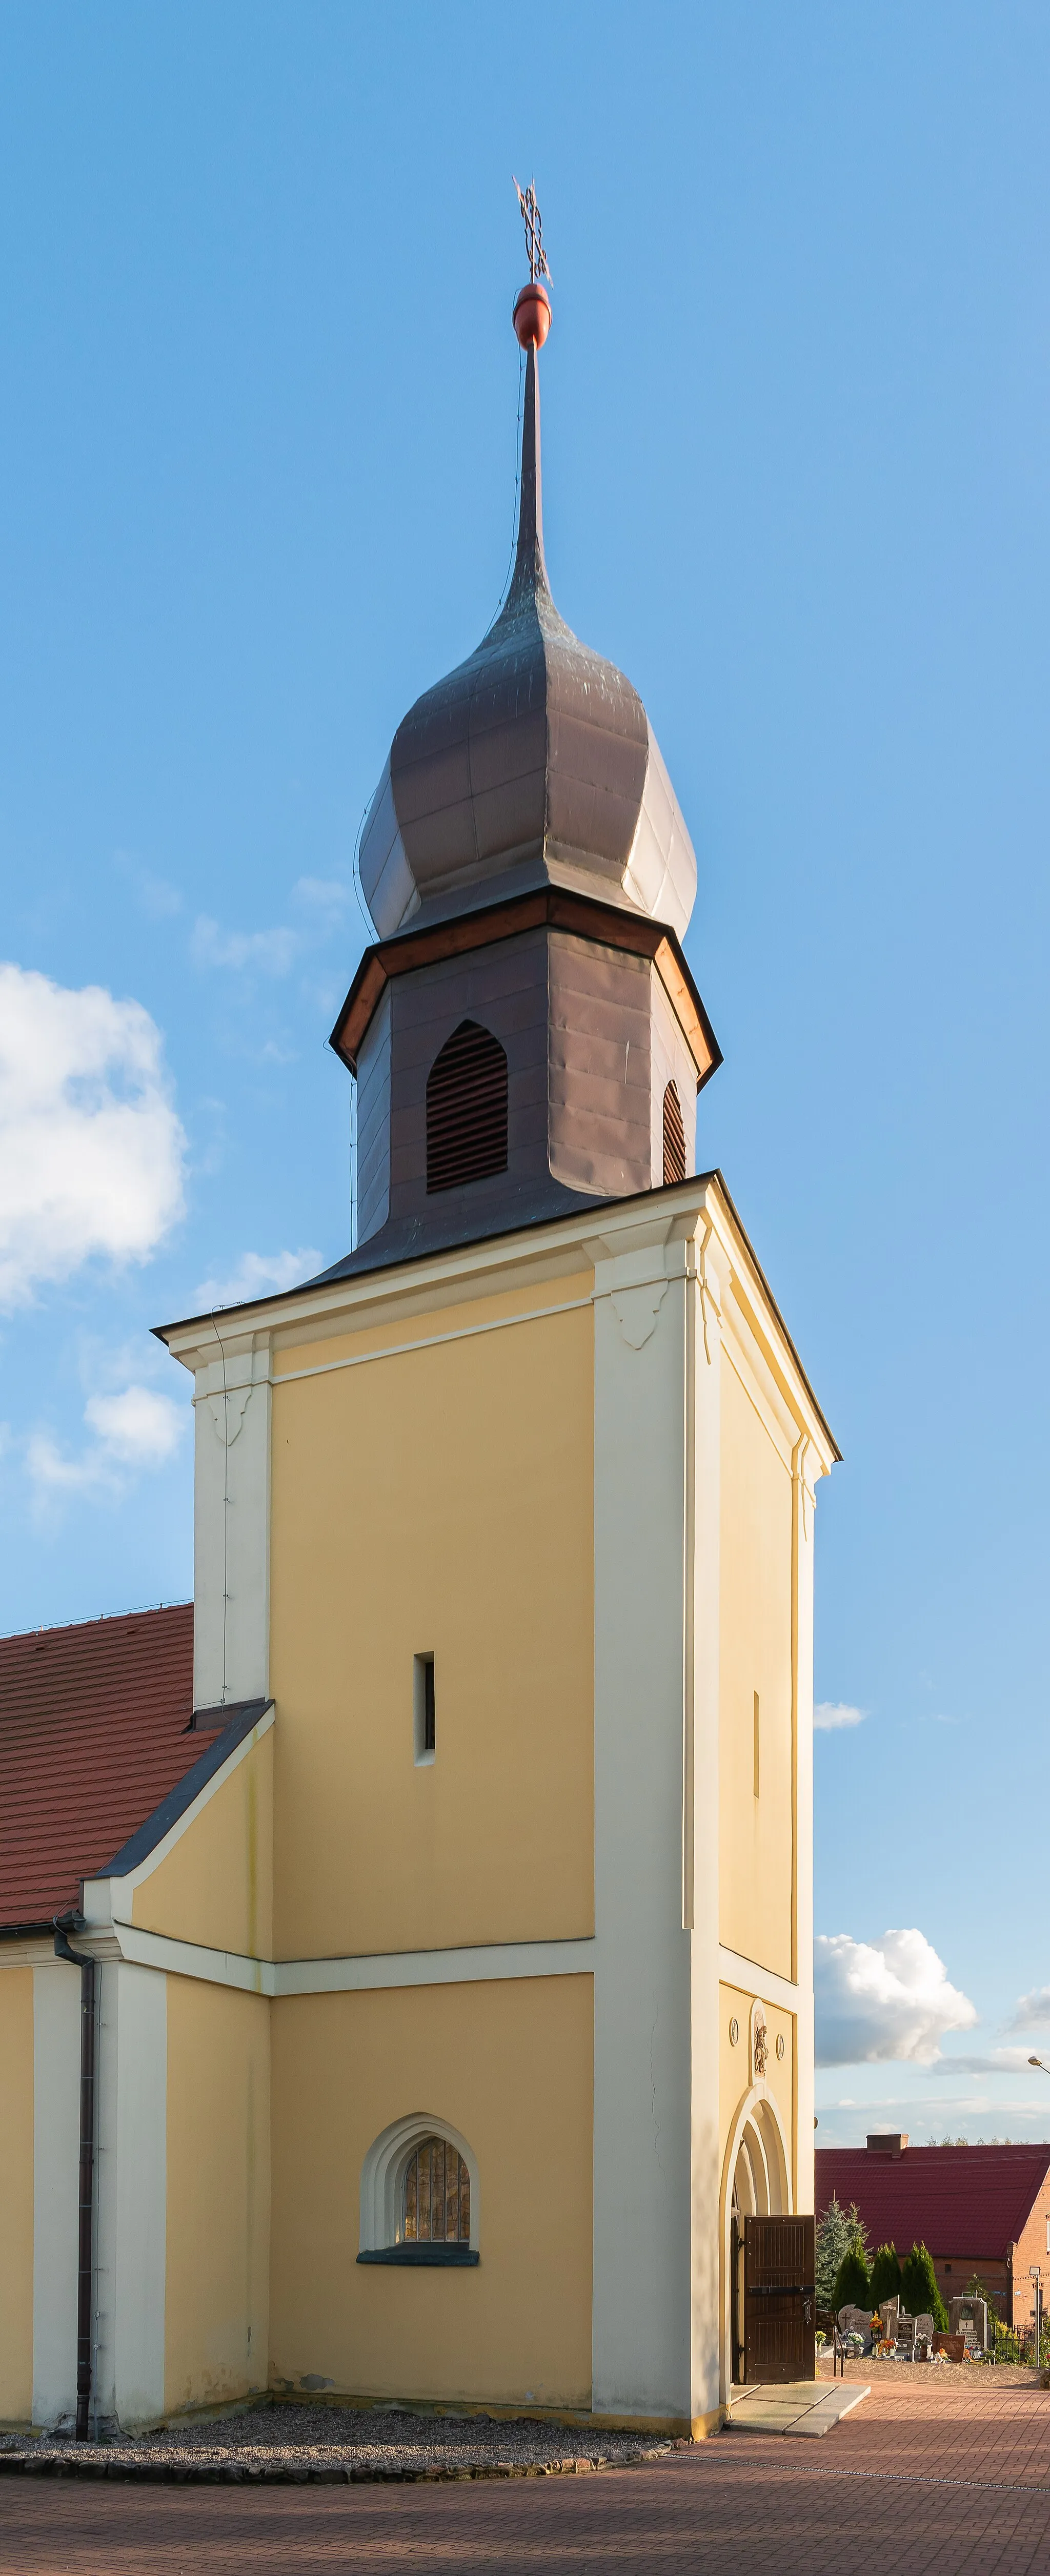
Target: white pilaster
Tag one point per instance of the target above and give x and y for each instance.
(806, 1468)
(135, 2223)
(56, 2171)
(231, 1576)
(107, 2031)
(642, 2150)
(704, 1413)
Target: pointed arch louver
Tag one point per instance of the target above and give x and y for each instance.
(674, 1136)
(466, 1109)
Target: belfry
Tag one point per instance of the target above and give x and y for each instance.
(530, 875)
(456, 1994)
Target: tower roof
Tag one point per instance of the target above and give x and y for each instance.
(533, 763)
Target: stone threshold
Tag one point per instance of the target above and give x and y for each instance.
(807, 2407)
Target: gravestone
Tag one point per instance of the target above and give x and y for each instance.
(970, 2317)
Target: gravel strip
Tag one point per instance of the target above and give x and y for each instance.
(336, 2442)
(1000, 2374)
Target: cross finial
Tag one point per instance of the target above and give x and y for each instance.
(533, 222)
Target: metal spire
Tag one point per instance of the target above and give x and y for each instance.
(533, 222)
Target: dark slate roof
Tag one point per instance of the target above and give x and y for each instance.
(964, 2200)
(532, 762)
(93, 1736)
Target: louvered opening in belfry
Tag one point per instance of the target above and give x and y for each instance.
(466, 1109)
(674, 1136)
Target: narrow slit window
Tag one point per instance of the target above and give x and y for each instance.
(674, 1136)
(424, 1723)
(757, 1748)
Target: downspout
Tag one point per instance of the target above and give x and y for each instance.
(86, 2192)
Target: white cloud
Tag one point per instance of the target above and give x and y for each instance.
(91, 1150)
(133, 1430)
(1032, 2011)
(829, 1713)
(139, 1427)
(883, 1999)
(1000, 2061)
(323, 896)
(258, 1274)
(270, 952)
(156, 896)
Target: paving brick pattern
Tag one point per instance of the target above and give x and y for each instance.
(925, 2479)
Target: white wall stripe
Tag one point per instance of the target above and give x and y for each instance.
(359, 1975)
(431, 1341)
(735, 1970)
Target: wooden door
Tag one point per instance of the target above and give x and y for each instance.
(779, 2309)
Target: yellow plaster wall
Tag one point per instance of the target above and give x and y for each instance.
(755, 1835)
(216, 1885)
(16, 2195)
(216, 2323)
(733, 2080)
(385, 1323)
(510, 2066)
(440, 1501)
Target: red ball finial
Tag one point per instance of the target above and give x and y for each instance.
(532, 315)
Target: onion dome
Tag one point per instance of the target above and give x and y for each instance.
(533, 763)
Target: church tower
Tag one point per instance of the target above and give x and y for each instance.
(526, 1033)
(470, 2013)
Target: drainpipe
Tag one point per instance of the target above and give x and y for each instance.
(86, 2193)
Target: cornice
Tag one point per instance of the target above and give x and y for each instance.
(679, 1226)
(553, 907)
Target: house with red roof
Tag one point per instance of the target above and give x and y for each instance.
(983, 2210)
(104, 1765)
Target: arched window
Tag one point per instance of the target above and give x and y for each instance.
(466, 1109)
(435, 2196)
(674, 1136)
(420, 2195)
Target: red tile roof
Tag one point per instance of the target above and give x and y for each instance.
(92, 1736)
(955, 2200)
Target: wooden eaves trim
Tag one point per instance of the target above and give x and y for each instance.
(550, 907)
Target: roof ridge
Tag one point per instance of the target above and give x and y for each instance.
(63, 1627)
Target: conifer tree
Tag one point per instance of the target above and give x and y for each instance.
(852, 2281)
(885, 2274)
(919, 2289)
(832, 2242)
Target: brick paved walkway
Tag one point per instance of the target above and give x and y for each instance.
(953, 2477)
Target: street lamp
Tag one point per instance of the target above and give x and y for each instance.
(1033, 2275)
(1040, 2061)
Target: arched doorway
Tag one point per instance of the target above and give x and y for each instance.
(756, 2183)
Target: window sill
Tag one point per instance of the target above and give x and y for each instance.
(414, 2255)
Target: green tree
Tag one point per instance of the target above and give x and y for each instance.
(976, 2289)
(832, 2242)
(885, 2274)
(919, 2289)
(852, 2280)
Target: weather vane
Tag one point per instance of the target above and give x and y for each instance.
(533, 222)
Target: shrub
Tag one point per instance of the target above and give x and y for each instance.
(885, 2275)
(919, 2289)
(852, 2283)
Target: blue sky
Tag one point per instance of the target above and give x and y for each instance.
(260, 396)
